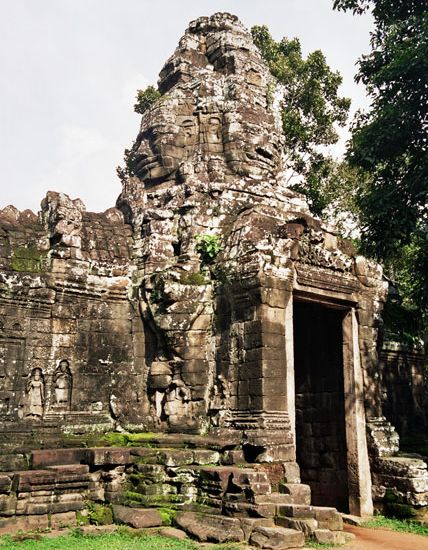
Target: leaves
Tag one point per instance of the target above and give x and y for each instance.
(208, 247)
(310, 104)
(145, 99)
(391, 143)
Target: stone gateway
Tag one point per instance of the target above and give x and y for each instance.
(208, 301)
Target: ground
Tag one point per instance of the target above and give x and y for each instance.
(383, 539)
(366, 539)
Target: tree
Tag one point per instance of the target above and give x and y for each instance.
(390, 142)
(310, 109)
(145, 99)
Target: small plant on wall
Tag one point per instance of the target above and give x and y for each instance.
(145, 99)
(208, 247)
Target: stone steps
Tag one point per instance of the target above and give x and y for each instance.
(238, 499)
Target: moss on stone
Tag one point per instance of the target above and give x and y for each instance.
(195, 279)
(130, 498)
(167, 515)
(116, 439)
(28, 259)
(99, 514)
(82, 517)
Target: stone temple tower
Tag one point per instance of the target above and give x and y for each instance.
(209, 300)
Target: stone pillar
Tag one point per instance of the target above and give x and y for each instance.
(359, 478)
(264, 383)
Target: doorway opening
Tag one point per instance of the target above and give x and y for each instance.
(320, 403)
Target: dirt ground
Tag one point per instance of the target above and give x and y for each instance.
(383, 539)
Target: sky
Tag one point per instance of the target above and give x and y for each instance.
(70, 69)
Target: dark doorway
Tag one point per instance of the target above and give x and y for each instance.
(320, 406)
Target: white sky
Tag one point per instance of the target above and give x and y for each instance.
(69, 71)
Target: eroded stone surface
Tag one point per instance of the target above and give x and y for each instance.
(136, 517)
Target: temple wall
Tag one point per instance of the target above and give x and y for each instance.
(71, 344)
(403, 380)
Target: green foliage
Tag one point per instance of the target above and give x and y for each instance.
(406, 526)
(145, 99)
(99, 514)
(310, 104)
(82, 518)
(167, 515)
(390, 142)
(208, 247)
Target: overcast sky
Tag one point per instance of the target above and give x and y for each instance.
(70, 69)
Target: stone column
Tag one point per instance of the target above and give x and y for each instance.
(359, 478)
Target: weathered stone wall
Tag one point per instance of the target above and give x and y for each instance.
(68, 329)
(403, 379)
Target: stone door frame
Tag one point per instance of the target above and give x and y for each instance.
(359, 476)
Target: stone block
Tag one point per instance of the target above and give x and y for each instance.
(137, 518)
(291, 472)
(5, 483)
(175, 457)
(8, 505)
(298, 492)
(214, 481)
(24, 523)
(296, 511)
(306, 525)
(210, 528)
(328, 518)
(278, 453)
(325, 536)
(110, 456)
(248, 524)
(52, 457)
(62, 520)
(172, 533)
(276, 538)
(203, 457)
(27, 481)
(233, 457)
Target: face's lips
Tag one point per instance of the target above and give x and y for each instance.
(145, 162)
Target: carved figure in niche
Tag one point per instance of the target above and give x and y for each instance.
(219, 401)
(63, 384)
(160, 378)
(35, 394)
(177, 400)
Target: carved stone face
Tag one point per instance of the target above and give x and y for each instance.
(63, 365)
(250, 151)
(168, 138)
(215, 111)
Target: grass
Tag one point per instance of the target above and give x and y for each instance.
(113, 541)
(405, 526)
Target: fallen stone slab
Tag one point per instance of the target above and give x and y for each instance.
(210, 528)
(136, 517)
(276, 538)
(172, 533)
